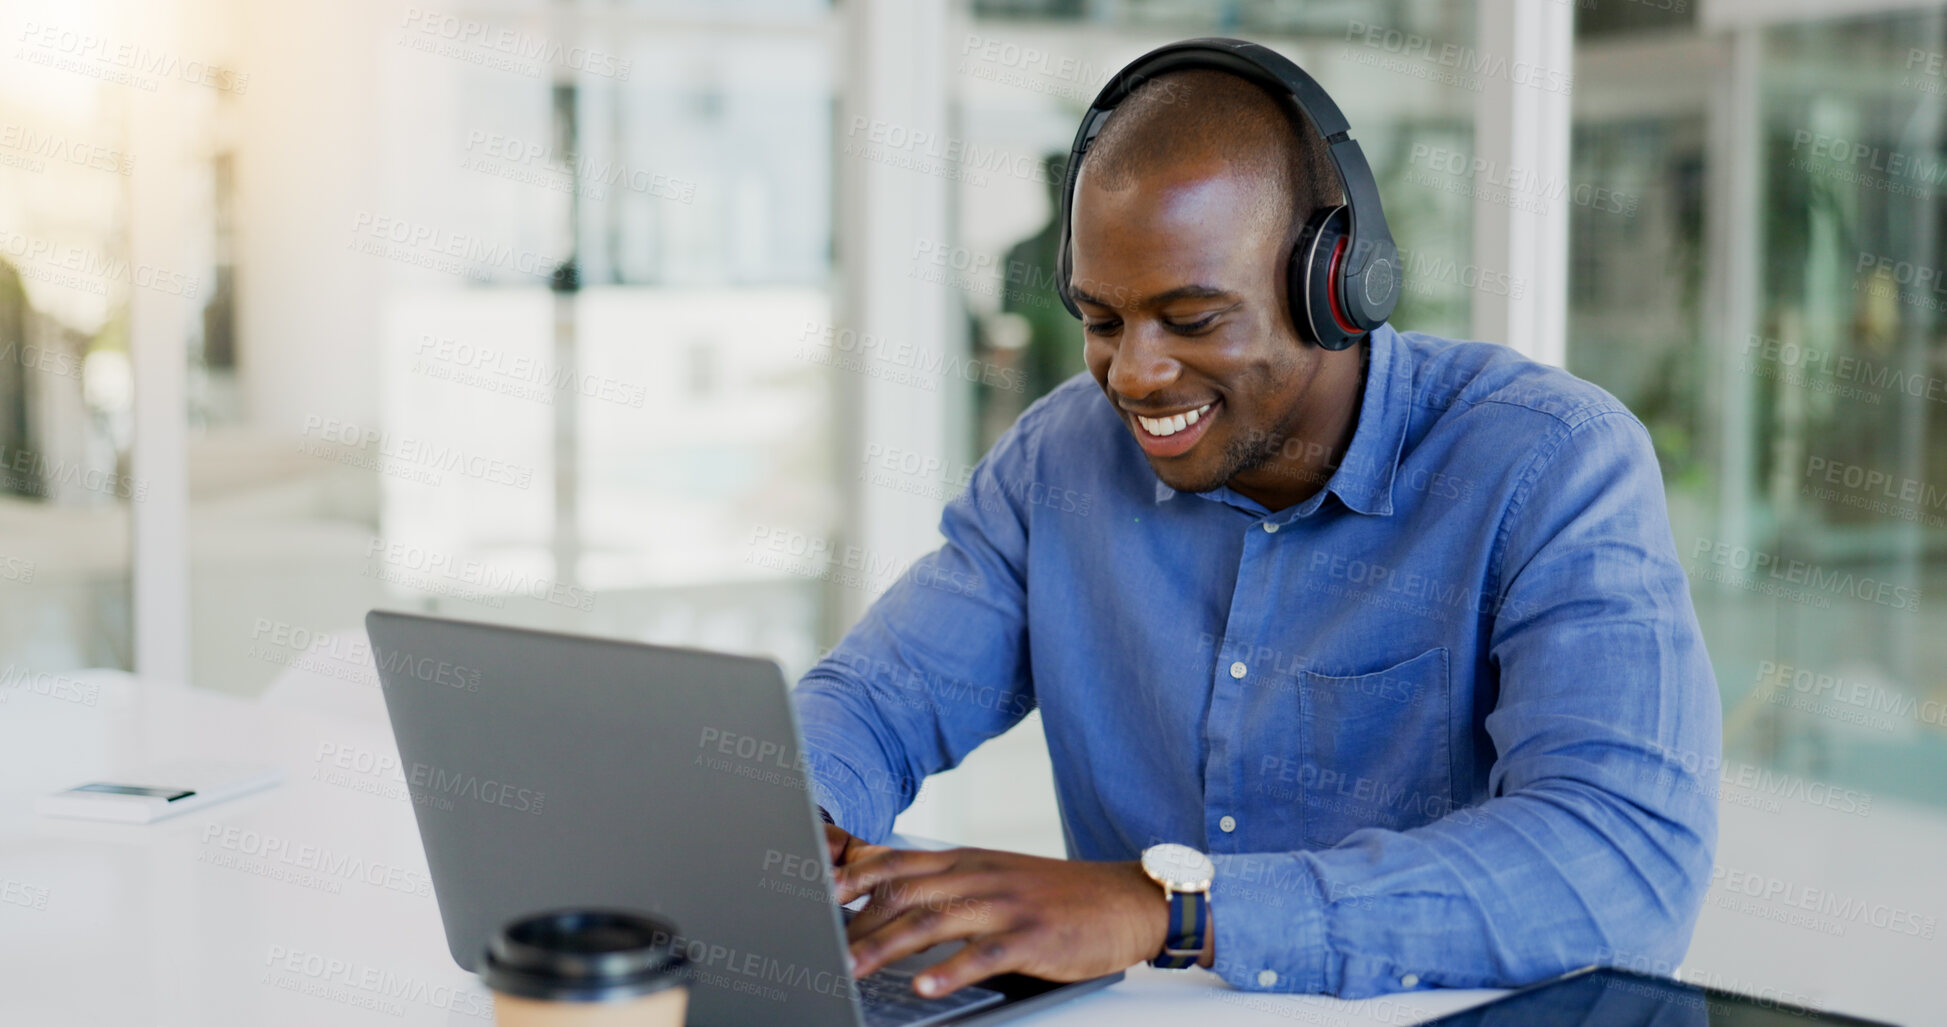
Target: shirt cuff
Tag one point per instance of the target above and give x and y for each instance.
(1269, 916)
(826, 801)
(842, 793)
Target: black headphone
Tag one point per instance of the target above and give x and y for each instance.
(1344, 272)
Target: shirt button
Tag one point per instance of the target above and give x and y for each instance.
(1270, 529)
(1410, 981)
(1229, 824)
(1237, 669)
(1266, 978)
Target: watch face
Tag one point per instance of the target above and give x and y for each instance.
(1180, 867)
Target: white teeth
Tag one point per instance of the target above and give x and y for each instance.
(1162, 427)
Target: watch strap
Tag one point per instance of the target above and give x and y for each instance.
(1189, 920)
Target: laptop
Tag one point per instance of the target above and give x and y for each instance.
(551, 771)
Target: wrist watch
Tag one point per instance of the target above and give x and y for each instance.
(1185, 875)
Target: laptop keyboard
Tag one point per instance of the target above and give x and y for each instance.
(888, 1000)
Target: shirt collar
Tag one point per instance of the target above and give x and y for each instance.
(1363, 480)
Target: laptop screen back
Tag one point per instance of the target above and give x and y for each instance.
(550, 771)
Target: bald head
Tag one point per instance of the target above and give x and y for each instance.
(1188, 125)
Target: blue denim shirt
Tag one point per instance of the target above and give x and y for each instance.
(1448, 722)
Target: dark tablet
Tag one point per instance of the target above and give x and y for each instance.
(1607, 997)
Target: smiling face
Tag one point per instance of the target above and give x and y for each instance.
(1180, 280)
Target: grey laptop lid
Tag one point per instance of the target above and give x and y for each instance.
(553, 770)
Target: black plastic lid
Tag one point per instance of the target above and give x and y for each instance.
(584, 955)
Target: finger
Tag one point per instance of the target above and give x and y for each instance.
(837, 840)
(983, 957)
(847, 848)
(914, 930)
(864, 872)
(948, 892)
(939, 892)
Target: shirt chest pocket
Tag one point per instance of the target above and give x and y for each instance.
(1374, 749)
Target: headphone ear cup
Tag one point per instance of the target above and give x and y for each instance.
(1312, 280)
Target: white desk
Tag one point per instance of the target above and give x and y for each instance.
(212, 918)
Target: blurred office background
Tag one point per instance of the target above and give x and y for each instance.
(679, 320)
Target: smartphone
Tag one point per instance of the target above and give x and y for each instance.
(165, 792)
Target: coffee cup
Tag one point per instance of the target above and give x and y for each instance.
(586, 968)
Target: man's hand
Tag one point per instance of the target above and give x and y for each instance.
(845, 848)
(1059, 920)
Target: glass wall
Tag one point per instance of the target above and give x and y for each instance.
(1847, 360)
(1797, 456)
(510, 327)
(66, 388)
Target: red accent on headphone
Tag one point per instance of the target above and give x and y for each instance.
(1332, 289)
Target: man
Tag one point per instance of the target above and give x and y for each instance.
(1396, 634)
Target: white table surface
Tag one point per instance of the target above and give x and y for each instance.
(212, 919)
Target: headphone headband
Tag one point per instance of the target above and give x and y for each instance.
(1363, 284)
